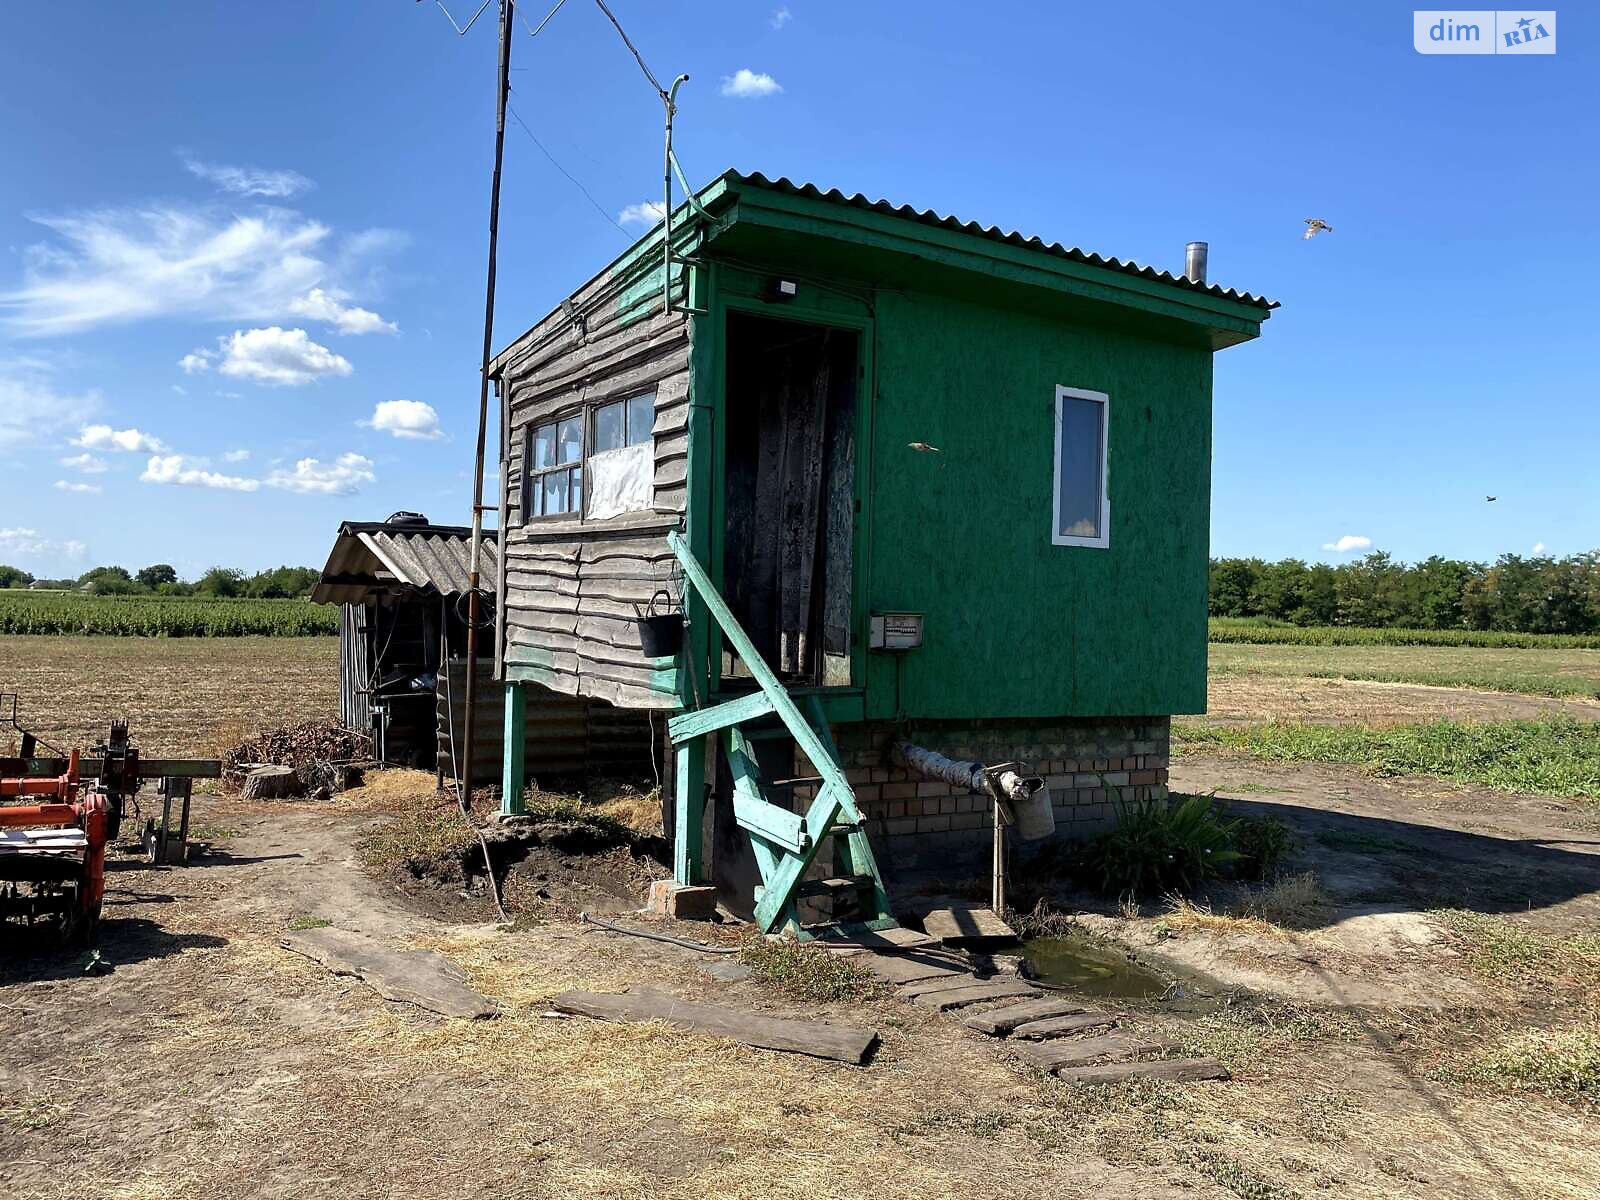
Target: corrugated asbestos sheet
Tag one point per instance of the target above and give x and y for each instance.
(373, 558)
(993, 233)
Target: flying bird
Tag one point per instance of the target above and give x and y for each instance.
(924, 447)
(1316, 225)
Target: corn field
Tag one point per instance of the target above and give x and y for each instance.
(1255, 631)
(162, 616)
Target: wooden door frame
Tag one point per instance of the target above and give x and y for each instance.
(839, 703)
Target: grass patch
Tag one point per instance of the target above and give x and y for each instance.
(1559, 757)
(1562, 1064)
(426, 833)
(307, 922)
(1289, 902)
(807, 971)
(1510, 951)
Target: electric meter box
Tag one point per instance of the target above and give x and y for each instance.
(896, 631)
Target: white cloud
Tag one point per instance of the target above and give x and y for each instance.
(32, 410)
(1539, 549)
(103, 437)
(30, 543)
(782, 17)
(406, 419)
(646, 212)
(180, 389)
(184, 472)
(197, 361)
(280, 357)
(339, 478)
(87, 463)
(1349, 542)
(121, 265)
(61, 485)
(249, 181)
(265, 264)
(236, 456)
(329, 307)
(745, 84)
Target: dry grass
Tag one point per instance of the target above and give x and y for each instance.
(1237, 699)
(1291, 902)
(181, 696)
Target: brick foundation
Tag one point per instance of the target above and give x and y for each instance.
(927, 827)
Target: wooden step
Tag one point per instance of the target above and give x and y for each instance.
(967, 923)
(1077, 1052)
(879, 941)
(913, 966)
(1179, 1070)
(976, 993)
(1000, 1021)
(843, 885)
(1062, 1026)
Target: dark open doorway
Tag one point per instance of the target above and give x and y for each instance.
(787, 563)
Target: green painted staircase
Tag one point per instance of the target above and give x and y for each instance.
(785, 842)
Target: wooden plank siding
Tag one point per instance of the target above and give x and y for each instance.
(565, 736)
(573, 586)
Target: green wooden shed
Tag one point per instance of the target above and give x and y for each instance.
(905, 477)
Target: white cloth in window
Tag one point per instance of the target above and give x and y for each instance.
(620, 481)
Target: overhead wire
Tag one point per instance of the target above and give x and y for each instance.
(571, 178)
(637, 57)
(461, 30)
(534, 32)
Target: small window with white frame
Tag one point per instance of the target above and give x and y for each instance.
(1081, 510)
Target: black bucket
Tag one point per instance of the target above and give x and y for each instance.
(660, 634)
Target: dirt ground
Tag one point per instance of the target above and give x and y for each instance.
(210, 1062)
(188, 697)
(1243, 699)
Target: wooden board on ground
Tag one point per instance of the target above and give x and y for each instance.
(937, 983)
(912, 966)
(425, 978)
(1052, 1027)
(998, 1022)
(977, 993)
(967, 923)
(820, 1039)
(882, 941)
(1179, 1070)
(1052, 1055)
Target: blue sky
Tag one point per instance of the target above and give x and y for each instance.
(229, 233)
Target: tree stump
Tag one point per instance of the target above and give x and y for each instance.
(271, 783)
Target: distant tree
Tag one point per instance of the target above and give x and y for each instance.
(176, 588)
(157, 574)
(57, 585)
(220, 581)
(14, 577)
(1233, 586)
(109, 581)
(282, 583)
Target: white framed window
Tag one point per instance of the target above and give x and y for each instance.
(1080, 510)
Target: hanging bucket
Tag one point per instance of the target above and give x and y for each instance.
(1035, 816)
(660, 634)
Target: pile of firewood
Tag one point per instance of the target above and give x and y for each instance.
(313, 758)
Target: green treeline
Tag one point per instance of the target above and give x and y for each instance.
(1513, 594)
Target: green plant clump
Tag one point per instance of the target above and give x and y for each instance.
(806, 971)
(1161, 845)
(1263, 843)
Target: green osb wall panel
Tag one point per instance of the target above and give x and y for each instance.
(1017, 626)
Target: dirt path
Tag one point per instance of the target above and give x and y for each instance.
(212, 1064)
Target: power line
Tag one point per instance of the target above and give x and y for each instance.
(570, 177)
(639, 58)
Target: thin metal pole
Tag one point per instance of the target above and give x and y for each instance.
(997, 898)
(469, 730)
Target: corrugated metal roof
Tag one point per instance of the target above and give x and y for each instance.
(993, 233)
(376, 557)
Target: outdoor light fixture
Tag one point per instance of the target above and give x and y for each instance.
(782, 289)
